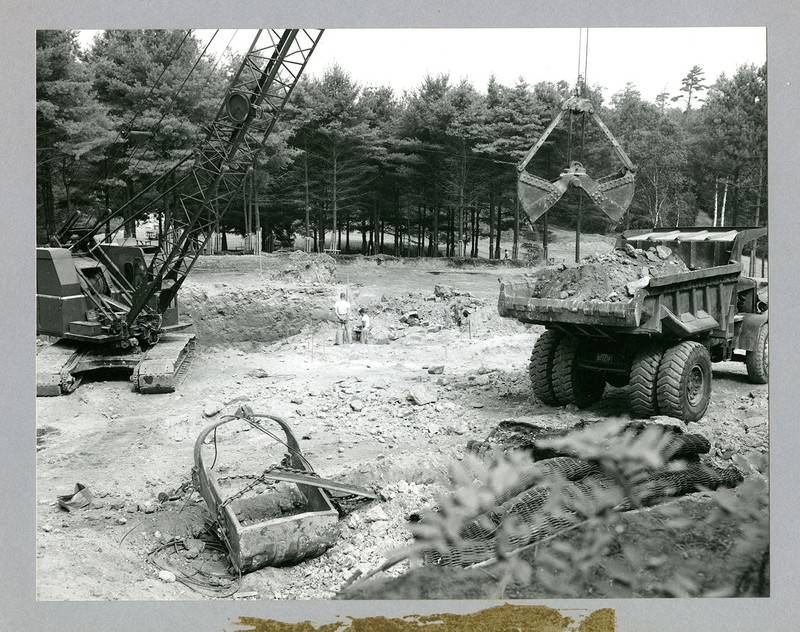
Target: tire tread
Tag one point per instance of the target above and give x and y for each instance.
(644, 380)
(540, 368)
(569, 386)
(670, 376)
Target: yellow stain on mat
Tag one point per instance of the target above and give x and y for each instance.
(508, 617)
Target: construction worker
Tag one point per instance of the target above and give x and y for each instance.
(362, 329)
(342, 311)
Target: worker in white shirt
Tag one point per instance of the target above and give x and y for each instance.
(362, 329)
(342, 310)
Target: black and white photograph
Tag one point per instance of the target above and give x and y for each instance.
(407, 313)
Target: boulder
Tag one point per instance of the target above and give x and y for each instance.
(375, 514)
(637, 285)
(663, 252)
(211, 408)
(444, 291)
(422, 395)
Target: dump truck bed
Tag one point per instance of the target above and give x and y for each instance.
(678, 305)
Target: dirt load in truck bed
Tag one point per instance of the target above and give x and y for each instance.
(605, 276)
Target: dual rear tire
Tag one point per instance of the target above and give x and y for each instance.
(556, 378)
(675, 381)
(644, 378)
(683, 386)
(541, 367)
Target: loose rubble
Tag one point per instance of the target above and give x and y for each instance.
(613, 276)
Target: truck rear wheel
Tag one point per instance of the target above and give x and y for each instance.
(571, 384)
(644, 381)
(541, 367)
(684, 381)
(757, 360)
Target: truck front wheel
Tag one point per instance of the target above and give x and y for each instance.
(644, 380)
(571, 384)
(684, 381)
(757, 360)
(541, 367)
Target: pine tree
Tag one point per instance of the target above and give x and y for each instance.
(160, 93)
(732, 141)
(71, 130)
(691, 84)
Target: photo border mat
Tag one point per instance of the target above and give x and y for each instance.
(19, 608)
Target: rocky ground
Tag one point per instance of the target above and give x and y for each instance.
(381, 415)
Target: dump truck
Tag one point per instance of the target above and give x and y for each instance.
(661, 336)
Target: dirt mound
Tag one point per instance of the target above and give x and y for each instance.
(611, 276)
(306, 267)
(250, 298)
(446, 307)
(224, 314)
(416, 309)
(229, 313)
(433, 262)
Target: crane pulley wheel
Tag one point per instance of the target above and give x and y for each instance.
(237, 107)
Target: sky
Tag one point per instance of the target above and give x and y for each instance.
(654, 60)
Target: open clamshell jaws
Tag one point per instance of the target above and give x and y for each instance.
(613, 194)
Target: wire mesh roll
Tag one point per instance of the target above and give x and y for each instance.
(529, 519)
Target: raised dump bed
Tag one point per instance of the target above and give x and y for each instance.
(657, 330)
(679, 304)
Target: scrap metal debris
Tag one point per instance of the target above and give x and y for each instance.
(294, 517)
(79, 499)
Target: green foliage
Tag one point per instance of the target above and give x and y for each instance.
(731, 144)
(72, 129)
(159, 83)
(583, 528)
(658, 145)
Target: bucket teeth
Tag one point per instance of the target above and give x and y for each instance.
(612, 197)
(615, 196)
(537, 194)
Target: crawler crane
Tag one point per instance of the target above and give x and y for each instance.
(115, 306)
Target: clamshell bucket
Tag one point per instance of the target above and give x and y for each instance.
(612, 194)
(537, 194)
(255, 534)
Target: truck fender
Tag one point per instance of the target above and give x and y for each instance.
(748, 334)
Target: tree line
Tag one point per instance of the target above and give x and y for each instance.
(428, 172)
